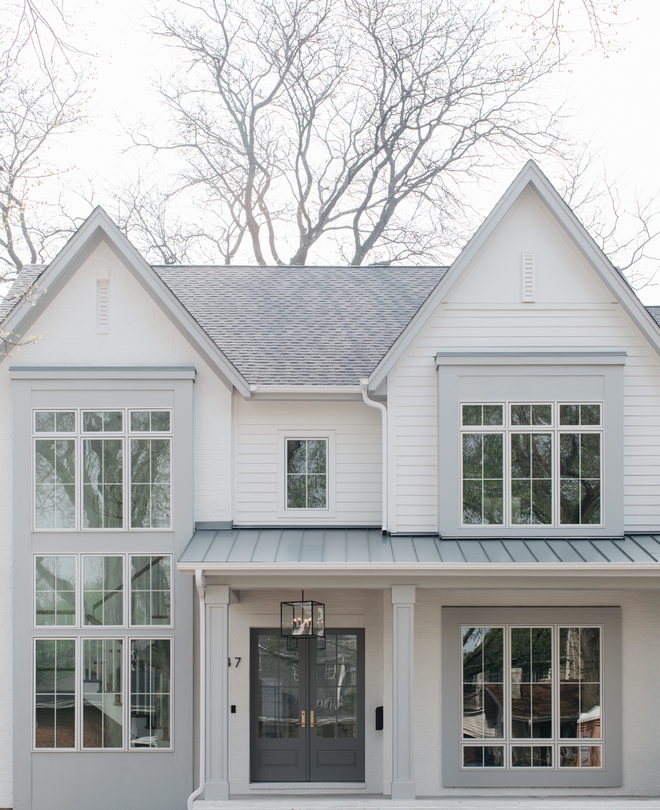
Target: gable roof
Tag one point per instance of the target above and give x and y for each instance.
(530, 176)
(303, 325)
(96, 228)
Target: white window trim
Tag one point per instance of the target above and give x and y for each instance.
(556, 430)
(554, 742)
(126, 692)
(306, 516)
(79, 625)
(454, 775)
(78, 435)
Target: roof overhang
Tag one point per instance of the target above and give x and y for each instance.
(97, 228)
(530, 177)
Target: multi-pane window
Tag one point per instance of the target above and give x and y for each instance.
(105, 601)
(150, 693)
(150, 590)
(103, 590)
(55, 591)
(306, 473)
(55, 692)
(116, 464)
(111, 692)
(531, 697)
(84, 678)
(528, 464)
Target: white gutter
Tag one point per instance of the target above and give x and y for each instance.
(364, 385)
(262, 388)
(201, 592)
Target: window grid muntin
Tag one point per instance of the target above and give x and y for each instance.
(78, 436)
(76, 589)
(79, 625)
(508, 741)
(507, 429)
(54, 639)
(306, 439)
(83, 614)
(127, 641)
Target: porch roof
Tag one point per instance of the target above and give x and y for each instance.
(369, 548)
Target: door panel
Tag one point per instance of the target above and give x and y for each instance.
(326, 743)
(336, 695)
(279, 743)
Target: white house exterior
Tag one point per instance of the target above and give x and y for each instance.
(462, 464)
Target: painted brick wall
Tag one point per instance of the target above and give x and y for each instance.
(140, 334)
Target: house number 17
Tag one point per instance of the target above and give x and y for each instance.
(238, 661)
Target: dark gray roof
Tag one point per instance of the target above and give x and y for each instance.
(24, 280)
(362, 545)
(654, 312)
(303, 325)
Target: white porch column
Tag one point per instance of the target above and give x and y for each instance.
(217, 693)
(403, 731)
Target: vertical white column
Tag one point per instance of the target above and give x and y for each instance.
(217, 693)
(403, 728)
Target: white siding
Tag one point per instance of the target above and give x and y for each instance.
(260, 467)
(485, 312)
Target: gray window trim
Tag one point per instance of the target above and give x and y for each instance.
(609, 776)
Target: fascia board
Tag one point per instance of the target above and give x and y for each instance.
(530, 358)
(97, 227)
(604, 569)
(530, 175)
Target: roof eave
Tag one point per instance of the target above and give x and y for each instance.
(532, 176)
(100, 227)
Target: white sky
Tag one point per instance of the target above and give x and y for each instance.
(615, 100)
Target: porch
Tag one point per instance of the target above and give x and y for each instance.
(398, 606)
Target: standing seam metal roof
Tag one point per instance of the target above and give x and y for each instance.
(363, 545)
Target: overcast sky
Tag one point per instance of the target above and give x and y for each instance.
(614, 101)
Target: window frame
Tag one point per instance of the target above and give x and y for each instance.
(79, 436)
(507, 430)
(79, 625)
(453, 772)
(306, 515)
(126, 640)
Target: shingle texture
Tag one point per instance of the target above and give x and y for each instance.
(302, 325)
(654, 312)
(25, 279)
(293, 546)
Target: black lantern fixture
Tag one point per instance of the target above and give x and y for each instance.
(304, 619)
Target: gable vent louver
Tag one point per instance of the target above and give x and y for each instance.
(528, 278)
(103, 300)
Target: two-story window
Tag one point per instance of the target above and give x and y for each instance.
(531, 463)
(102, 469)
(111, 690)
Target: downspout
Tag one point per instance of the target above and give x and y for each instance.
(364, 385)
(201, 593)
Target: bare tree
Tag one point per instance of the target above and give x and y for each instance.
(40, 99)
(346, 128)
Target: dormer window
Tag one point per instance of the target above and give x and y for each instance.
(531, 463)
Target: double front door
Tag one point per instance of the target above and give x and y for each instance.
(307, 708)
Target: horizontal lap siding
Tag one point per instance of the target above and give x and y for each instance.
(463, 328)
(259, 465)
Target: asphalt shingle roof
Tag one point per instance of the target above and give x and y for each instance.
(302, 325)
(295, 325)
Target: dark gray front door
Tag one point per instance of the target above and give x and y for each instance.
(307, 708)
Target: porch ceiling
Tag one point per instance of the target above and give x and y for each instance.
(369, 550)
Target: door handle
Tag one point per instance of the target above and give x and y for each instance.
(311, 719)
(303, 717)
